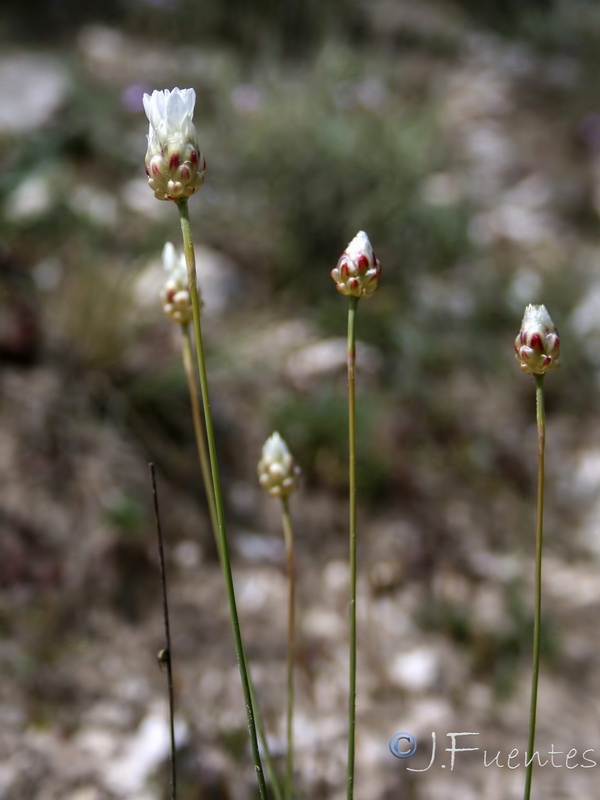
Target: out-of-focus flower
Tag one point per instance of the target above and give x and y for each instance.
(174, 163)
(175, 294)
(358, 270)
(277, 471)
(537, 347)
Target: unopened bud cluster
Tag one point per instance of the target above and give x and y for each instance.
(174, 164)
(175, 294)
(358, 270)
(278, 473)
(537, 347)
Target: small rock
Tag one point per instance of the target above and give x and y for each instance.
(417, 670)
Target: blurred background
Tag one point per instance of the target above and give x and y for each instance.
(464, 137)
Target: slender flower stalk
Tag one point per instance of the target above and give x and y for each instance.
(356, 275)
(207, 479)
(262, 736)
(537, 350)
(537, 618)
(291, 644)
(203, 457)
(175, 167)
(352, 307)
(177, 305)
(278, 475)
(188, 248)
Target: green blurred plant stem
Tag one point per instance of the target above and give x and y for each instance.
(353, 304)
(260, 727)
(186, 353)
(288, 534)
(537, 620)
(203, 457)
(188, 246)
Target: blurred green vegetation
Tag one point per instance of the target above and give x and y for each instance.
(318, 119)
(314, 124)
(301, 154)
(495, 652)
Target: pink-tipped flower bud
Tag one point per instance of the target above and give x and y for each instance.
(174, 163)
(277, 471)
(358, 270)
(537, 347)
(175, 294)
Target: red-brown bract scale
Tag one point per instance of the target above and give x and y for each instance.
(536, 341)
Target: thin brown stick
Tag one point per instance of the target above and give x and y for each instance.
(164, 656)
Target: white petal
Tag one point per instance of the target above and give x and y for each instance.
(189, 99)
(169, 257)
(147, 101)
(276, 450)
(537, 317)
(180, 270)
(160, 103)
(176, 110)
(154, 108)
(359, 246)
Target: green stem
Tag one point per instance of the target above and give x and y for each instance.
(352, 480)
(289, 547)
(187, 350)
(537, 620)
(203, 457)
(260, 727)
(188, 246)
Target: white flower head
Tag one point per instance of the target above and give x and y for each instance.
(174, 163)
(277, 471)
(537, 346)
(358, 269)
(175, 294)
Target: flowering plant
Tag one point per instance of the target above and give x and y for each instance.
(175, 294)
(174, 164)
(358, 269)
(537, 346)
(277, 470)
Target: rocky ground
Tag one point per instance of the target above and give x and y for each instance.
(445, 586)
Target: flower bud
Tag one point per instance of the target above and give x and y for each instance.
(174, 164)
(537, 347)
(277, 471)
(358, 270)
(175, 294)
